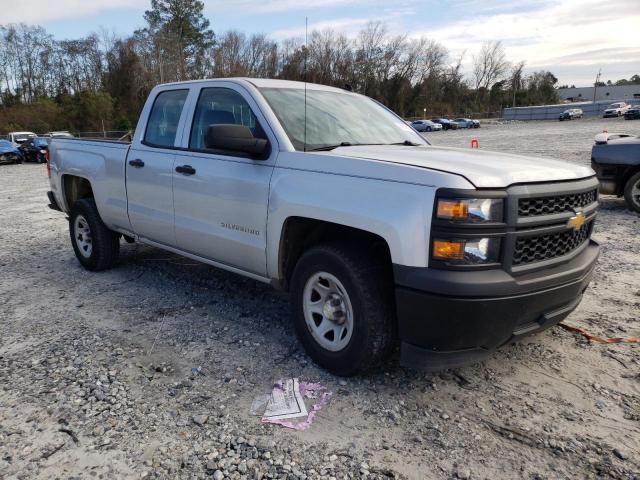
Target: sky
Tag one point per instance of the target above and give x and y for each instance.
(574, 39)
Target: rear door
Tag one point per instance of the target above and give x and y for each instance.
(221, 198)
(149, 168)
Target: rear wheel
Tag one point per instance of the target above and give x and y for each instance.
(96, 246)
(343, 308)
(632, 192)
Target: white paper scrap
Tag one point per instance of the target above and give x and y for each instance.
(259, 404)
(285, 402)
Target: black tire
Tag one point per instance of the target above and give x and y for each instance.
(105, 243)
(632, 202)
(369, 286)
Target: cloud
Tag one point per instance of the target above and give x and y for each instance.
(575, 32)
(40, 11)
(348, 26)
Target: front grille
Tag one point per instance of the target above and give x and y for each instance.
(529, 207)
(544, 247)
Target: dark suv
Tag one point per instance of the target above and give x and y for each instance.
(446, 123)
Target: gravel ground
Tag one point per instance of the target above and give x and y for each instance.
(96, 368)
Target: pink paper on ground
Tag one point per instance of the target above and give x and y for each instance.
(305, 388)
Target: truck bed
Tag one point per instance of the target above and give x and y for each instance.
(102, 162)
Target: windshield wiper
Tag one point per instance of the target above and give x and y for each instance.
(408, 143)
(328, 147)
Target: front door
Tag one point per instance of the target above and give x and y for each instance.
(149, 170)
(221, 198)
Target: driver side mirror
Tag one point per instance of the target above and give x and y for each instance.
(235, 138)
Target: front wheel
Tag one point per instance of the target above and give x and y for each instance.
(96, 246)
(343, 308)
(632, 192)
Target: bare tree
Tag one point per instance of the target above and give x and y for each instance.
(489, 66)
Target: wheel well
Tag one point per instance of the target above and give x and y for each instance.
(299, 234)
(630, 172)
(75, 188)
(624, 176)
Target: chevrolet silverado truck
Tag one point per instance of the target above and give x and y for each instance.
(615, 157)
(381, 239)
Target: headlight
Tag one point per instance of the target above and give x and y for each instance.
(472, 251)
(43, 151)
(470, 210)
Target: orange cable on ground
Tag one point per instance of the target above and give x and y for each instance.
(597, 339)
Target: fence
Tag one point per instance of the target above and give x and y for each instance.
(552, 112)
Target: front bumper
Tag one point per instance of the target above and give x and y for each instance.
(451, 318)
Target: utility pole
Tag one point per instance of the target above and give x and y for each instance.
(595, 89)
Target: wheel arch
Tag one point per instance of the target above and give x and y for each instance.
(75, 187)
(299, 233)
(626, 175)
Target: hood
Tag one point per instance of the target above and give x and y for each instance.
(8, 148)
(484, 169)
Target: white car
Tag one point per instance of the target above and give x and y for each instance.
(616, 109)
(59, 134)
(381, 239)
(426, 126)
(19, 138)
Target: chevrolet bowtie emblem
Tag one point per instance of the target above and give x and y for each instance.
(577, 221)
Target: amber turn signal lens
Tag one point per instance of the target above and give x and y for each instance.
(454, 209)
(447, 250)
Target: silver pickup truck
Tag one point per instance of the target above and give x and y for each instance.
(380, 238)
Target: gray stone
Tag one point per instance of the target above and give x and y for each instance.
(200, 419)
(620, 454)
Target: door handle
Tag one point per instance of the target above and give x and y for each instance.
(186, 169)
(136, 163)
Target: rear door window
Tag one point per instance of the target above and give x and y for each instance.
(162, 126)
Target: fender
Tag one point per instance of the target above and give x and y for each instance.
(397, 212)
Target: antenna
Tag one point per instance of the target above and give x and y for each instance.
(306, 54)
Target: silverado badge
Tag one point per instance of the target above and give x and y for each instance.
(577, 221)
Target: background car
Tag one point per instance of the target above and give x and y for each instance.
(633, 113)
(59, 134)
(571, 114)
(446, 123)
(426, 126)
(465, 123)
(20, 137)
(616, 109)
(35, 149)
(615, 158)
(9, 153)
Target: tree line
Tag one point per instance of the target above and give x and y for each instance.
(101, 81)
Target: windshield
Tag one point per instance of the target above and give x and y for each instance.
(40, 142)
(334, 118)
